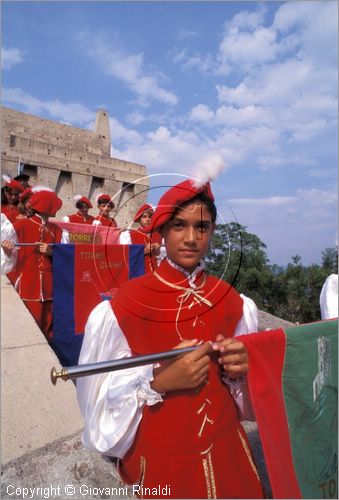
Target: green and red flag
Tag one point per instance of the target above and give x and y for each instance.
(293, 385)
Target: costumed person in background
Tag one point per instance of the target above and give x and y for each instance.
(23, 179)
(10, 198)
(105, 206)
(24, 205)
(138, 236)
(8, 251)
(81, 216)
(34, 263)
(174, 424)
(329, 298)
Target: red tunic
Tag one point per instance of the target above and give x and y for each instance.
(11, 212)
(79, 219)
(192, 441)
(34, 270)
(140, 238)
(106, 222)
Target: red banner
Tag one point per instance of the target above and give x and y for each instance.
(86, 234)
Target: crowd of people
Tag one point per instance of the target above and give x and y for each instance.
(28, 235)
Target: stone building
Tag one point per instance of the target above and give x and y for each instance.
(72, 161)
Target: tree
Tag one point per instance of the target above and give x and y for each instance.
(330, 260)
(240, 258)
(292, 293)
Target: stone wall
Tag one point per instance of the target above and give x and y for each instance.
(72, 161)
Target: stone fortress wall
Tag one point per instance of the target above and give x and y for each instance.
(72, 161)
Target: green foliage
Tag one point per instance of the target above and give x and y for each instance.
(291, 293)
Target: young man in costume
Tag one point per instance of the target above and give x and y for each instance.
(138, 236)
(173, 424)
(81, 216)
(105, 205)
(34, 262)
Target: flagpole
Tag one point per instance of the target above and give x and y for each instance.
(33, 244)
(19, 166)
(71, 372)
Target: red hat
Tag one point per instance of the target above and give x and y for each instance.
(82, 199)
(174, 198)
(104, 198)
(46, 202)
(11, 183)
(141, 210)
(25, 195)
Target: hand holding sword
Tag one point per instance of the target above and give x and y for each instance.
(187, 367)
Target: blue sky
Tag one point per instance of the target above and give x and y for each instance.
(249, 85)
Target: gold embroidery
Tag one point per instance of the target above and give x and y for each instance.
(248, 453)
(203, 405)
(210, 463)
(207, 477)
(208, 449)
(206, 419)
(142, 472)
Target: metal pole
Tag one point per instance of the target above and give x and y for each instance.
(85, 370)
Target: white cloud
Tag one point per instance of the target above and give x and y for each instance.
(201, 113)
(10, 57)
(128, 68)
(317, 23)
(245, 19)
(72, 112)
(135, 118)
(121, 133)
(248, 47)
(201, 62)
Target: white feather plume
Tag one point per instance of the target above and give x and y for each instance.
(77, 197)
(37, 189)
(6, 178)
(208, 168)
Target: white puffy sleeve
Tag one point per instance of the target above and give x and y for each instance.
(249, 321)
(238, 388)
(8, 263)
(329, 298)
(111, 403)
(125, 238)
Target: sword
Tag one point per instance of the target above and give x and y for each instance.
(71, 372)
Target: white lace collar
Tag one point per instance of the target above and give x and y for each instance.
(191, 277)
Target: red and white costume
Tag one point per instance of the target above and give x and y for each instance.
(138, 237)
(34, 269)
(79, 219)
(104, 221)
(11, 212)
(191, 440)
